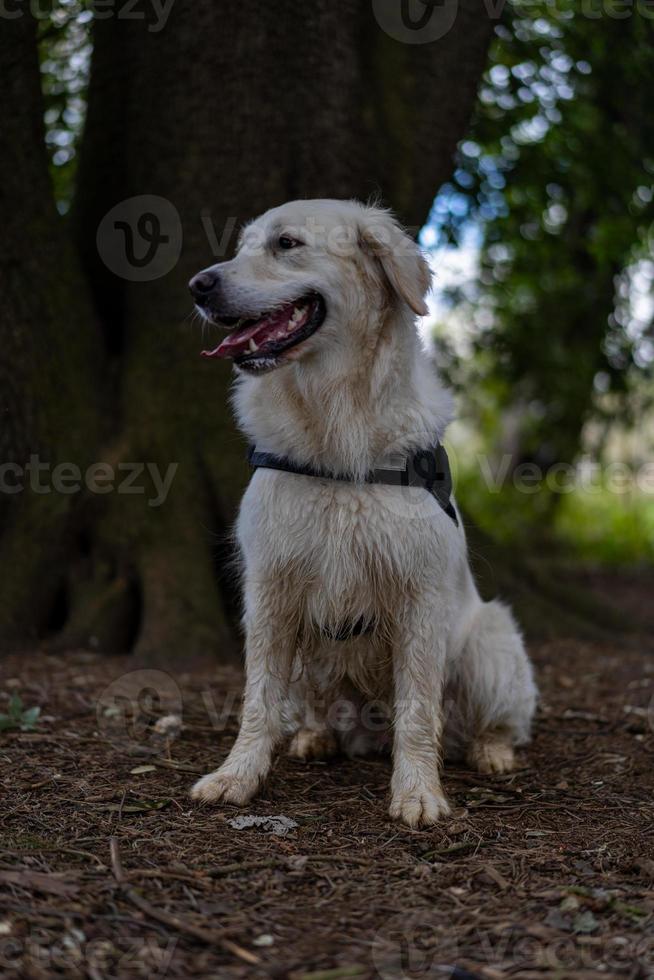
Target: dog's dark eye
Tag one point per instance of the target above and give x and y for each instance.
(286, 242)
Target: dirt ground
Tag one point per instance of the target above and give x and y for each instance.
(108, 870)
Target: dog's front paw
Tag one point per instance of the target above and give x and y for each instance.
(226, 786)
(419, 807)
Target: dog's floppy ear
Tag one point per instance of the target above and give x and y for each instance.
(401, 260)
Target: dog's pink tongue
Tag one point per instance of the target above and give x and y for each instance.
(235, 343)
(250, 339)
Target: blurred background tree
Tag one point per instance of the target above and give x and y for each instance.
(550, 332)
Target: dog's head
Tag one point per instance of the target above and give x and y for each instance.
(306, 275)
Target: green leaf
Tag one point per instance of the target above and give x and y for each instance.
(15, 705)
(29, 718)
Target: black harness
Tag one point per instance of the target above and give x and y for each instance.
(425, 468)
(428, 469)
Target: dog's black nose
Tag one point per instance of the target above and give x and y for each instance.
(203, 283)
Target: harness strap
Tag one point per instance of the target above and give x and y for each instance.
(426, 468)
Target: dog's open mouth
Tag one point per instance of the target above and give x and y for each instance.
(259, 343)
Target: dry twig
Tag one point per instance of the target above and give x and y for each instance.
(168, 918)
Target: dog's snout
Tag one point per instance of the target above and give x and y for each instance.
(203, 283)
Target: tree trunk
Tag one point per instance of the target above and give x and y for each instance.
(49, 384)
(230, 109)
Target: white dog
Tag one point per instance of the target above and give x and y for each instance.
(355, 590)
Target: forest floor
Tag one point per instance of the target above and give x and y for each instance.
(107, 869)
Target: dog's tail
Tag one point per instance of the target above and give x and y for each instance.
(492, 684)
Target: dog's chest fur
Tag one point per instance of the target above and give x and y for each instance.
(340, 552)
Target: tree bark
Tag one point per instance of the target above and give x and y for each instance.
(48, 380)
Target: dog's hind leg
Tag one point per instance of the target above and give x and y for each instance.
(313, 743)
(492, 751)
(493, 689)
(312, 737)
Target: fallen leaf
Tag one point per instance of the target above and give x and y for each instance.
(297, 862)
(138, 806)
(558, 921)
(278, 825)
(585, 922)
(487, 798)
(141, 769)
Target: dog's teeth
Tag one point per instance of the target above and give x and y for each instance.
(252, 346)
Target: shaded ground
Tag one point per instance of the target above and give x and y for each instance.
(548, 871)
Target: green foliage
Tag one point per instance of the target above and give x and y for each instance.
(595, 524)
(558, 169)
(609, 529)
(65, 54)
(25, 719)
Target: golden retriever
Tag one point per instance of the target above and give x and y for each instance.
(362, 619)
